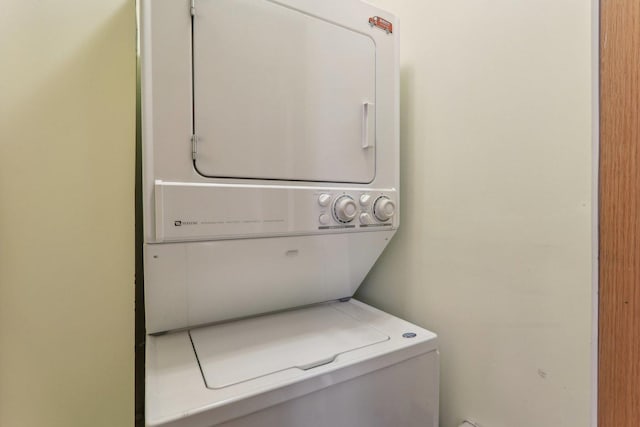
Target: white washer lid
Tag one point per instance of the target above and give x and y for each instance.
(240, 351)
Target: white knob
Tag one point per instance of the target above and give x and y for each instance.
(324, 219)
(324, 199)
(365, 218)
(384, 208)
(345, 209)
(365, 199)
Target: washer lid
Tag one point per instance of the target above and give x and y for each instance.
(240, 351)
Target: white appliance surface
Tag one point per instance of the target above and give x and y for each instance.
(192, 212)
(305, 84)
(270, 157)
(407, 399)
(267, 154)
(246, 349)
(270, 134)
(178, 396)
(194, 283)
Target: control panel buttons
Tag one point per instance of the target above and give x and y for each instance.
(365, 218)
(365, 200)
(345, 209)
(324, 219)
(384, 209)
(324, 199)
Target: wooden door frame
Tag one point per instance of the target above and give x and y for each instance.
(619, 215)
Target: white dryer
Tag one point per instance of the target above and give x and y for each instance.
(270, 186)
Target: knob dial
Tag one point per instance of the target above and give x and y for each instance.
(324, 199)
(345, 209)
(324, 219)
(384, 209)
(365, 199)
(365, 218)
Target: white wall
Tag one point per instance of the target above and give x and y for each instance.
(67, 153)
(495, 251)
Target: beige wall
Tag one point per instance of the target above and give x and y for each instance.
(494, 251)
(67, 152)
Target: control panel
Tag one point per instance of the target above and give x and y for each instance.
(188, 211)
(355, 209)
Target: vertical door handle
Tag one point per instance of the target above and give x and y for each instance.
(368, 125)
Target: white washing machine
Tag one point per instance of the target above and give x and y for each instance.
(270, 185)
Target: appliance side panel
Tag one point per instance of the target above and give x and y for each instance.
(146, 113)
(166, 97)
(396, 116)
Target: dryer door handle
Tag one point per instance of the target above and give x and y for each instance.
(368, 125)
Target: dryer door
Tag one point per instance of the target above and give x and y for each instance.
(280, 94)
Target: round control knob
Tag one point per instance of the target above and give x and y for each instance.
(345, 209)
(323, 219)
(365, 200)
(324, 199)
(383, 208)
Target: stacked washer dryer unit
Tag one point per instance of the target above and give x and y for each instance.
(270, 164)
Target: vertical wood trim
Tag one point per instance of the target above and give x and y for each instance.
(619, 307)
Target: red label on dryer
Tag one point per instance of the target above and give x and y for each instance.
(383, 24)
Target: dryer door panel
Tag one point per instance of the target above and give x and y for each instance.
(279, 94)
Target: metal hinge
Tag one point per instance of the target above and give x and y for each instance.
(193, 7)
(194, 146)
